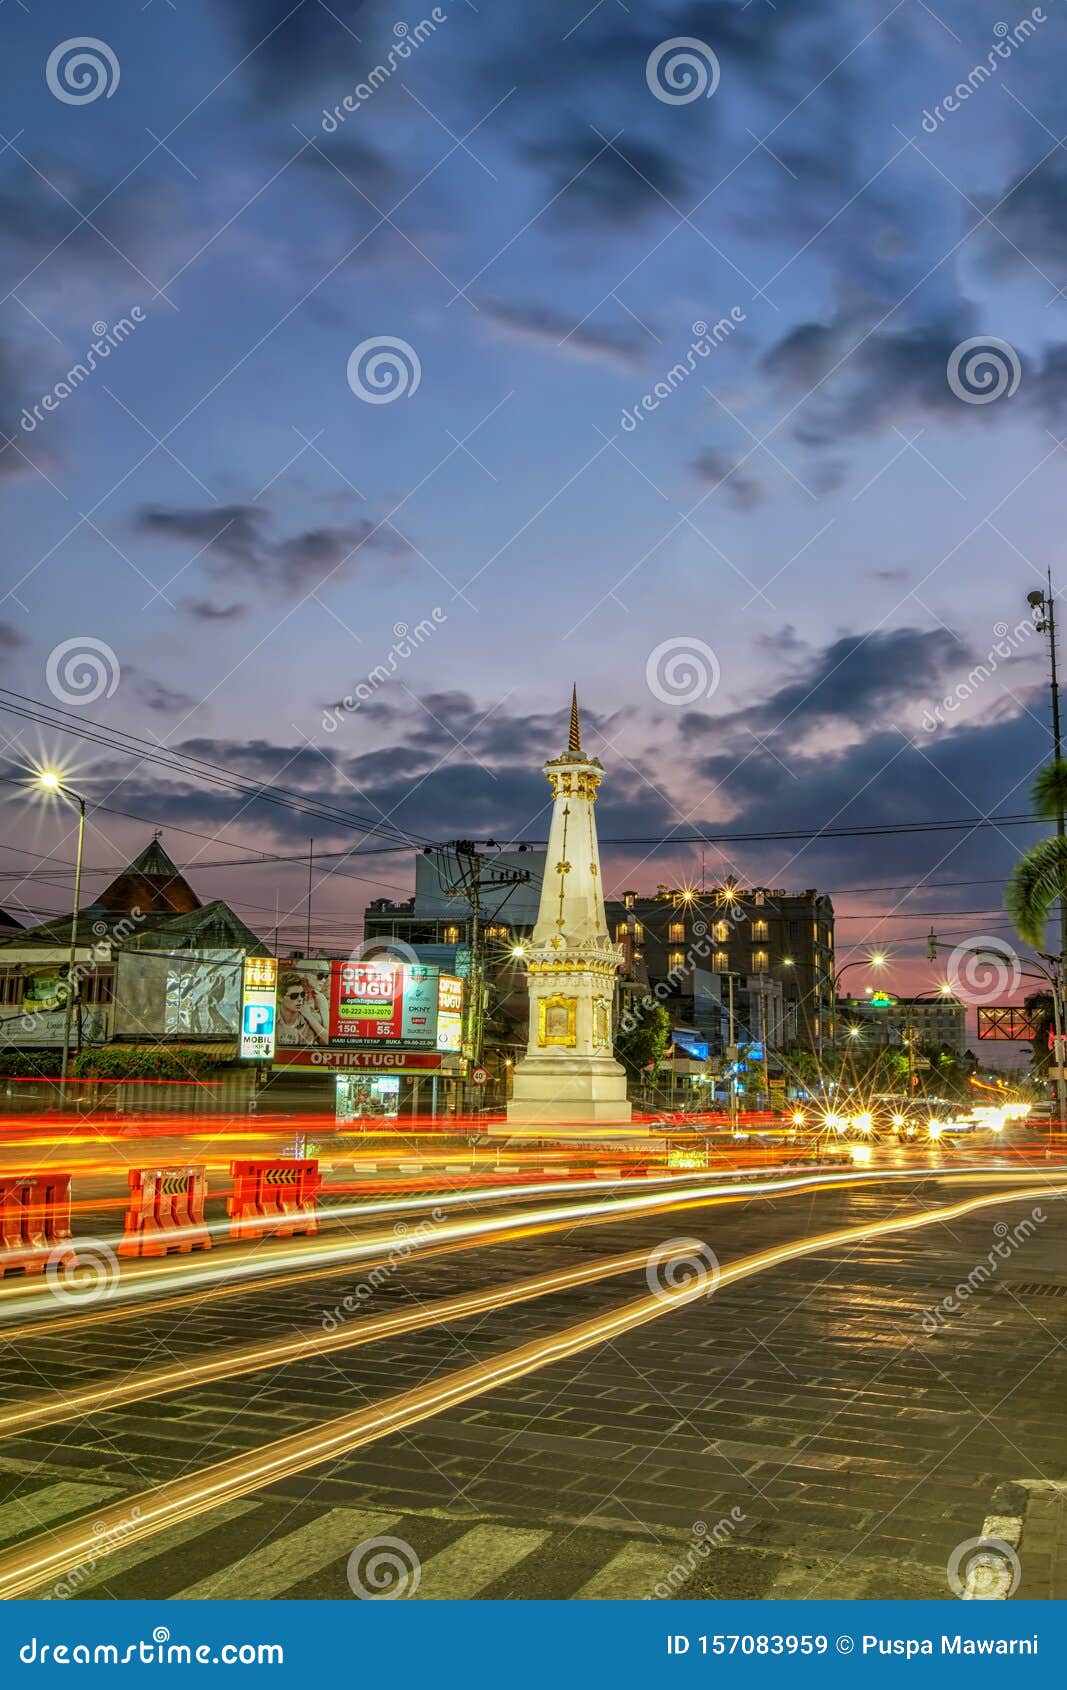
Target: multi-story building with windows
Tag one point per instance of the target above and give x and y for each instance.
(777, 946)
(880, 1018)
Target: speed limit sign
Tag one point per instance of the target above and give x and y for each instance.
(478, 1076)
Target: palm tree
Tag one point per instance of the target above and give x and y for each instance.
(1039, 878)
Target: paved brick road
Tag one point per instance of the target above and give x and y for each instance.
(839, 1448)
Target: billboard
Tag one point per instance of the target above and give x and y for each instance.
(449, 1012)
(360, 1005)
(177, 994)
(41, 1018)
(259, 1007)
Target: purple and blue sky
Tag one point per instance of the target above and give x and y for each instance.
(814, 503)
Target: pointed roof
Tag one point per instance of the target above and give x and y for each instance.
(575, 742)
(152, 884)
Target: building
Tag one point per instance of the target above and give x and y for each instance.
(441, 913)
(776, 946)
(152, 963)
(882, 1019)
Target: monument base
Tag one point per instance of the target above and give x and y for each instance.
(561, 1090)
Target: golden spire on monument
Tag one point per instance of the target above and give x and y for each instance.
(575, 743)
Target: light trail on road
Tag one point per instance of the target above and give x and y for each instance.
(50, 1555)
(16, 1421)
(283, 1262)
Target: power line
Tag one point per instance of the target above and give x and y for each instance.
(183, 763)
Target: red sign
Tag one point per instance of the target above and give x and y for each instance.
(366, 1001)
(384, 1061)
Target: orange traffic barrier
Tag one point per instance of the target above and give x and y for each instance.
(166, 1212)
(276, 1197)
(34, 1222)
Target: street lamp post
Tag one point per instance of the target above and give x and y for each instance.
(52, 783)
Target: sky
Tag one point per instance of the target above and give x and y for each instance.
(458, 354)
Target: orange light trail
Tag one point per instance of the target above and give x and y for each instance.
(49, 1555)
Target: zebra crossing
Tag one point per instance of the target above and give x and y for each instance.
(267, 1547)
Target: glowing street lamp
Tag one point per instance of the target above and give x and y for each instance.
(49, 781)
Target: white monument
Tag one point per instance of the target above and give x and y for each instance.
(569, 1074)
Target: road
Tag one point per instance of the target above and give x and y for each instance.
(827, 1425)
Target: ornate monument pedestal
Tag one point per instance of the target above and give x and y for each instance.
(569, 1075)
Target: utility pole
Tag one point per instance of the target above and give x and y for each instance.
(311, 865)
(473, 877)
(1044, 607)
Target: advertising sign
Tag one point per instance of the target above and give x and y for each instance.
(449, 1012)
(380, 1061)
(259, 1008)
(364, 1005)
(178, 993)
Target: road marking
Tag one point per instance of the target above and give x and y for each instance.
(124, 1560)
(634, 1572)
(476, 1560)
(40, 1507)
(288, 1560)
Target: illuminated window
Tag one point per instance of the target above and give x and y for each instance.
(721, 962)
(722, 931)
(451, 936)
(628, 900)
(676, 933)
(621, 930)
(759, 899)
(759, 929)
(639, 931)
(676, 959)
(759, 962)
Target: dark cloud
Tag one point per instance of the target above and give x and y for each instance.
(291, 45)
(617, 184)
(553, 328)
(11, 638)
(237, 538)
(859, 680)
(343, 162)
(205, 610)
(855, 377)
(156, 695)
(724, 470)
(1030, 223)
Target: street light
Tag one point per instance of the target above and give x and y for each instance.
(49, 781)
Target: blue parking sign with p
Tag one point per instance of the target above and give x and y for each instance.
(258, 1019)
